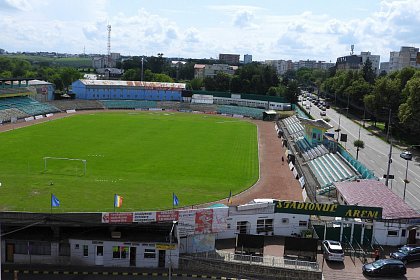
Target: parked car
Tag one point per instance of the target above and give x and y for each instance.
(406, 155)
(407, 253)
(385, 267)
(332, 250)
(322, 113)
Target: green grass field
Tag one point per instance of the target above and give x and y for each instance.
(142, 156)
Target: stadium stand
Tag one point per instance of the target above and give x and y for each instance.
(293, 126)
(16, 90)
(27, 105)
(77, 104)
(6, 115)
(244, 111)
(129, 104)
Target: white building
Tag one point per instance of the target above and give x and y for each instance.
(210, 70)
(281, 66)
(374, 59)
(247, 58)
(406, 57)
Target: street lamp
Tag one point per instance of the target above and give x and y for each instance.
(407, 156)
(170, 249)
(390, 146)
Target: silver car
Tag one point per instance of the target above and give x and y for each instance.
(332, 251)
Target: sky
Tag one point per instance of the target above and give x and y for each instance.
(267, 29)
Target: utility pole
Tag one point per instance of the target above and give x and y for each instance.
(389, 163)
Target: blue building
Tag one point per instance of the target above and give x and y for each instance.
(123, 90)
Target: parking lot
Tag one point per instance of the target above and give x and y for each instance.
(349, 269)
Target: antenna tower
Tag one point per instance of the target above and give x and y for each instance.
(109, 46)
(352, 50)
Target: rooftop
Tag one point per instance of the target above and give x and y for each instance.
(132, 84)
(375, 194)
(317, 123)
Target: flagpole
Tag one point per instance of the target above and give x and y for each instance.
(115, 195)
(51, 202)
(173, 197)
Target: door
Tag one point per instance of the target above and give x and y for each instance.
(412, 236)
(99, 255)
(162, 255)
(133, 251)
(10, 251)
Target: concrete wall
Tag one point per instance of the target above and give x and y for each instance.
(381, 232)
(246, 270)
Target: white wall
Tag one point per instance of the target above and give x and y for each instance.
(381, 229)
(108, 260)
(283, 224)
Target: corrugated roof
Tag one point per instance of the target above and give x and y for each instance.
(318, 123)
(375, 194)
(133, 84)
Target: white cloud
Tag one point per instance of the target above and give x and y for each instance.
(22, 5)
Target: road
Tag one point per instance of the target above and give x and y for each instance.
(375, 156)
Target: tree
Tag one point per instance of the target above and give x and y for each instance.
(368, 73)
(132, 75)
(409, 113)
(68, 76)
(359, 144)
(292, 91)
(222, 81)
(196, 83)
(209, 84)
(235, 84)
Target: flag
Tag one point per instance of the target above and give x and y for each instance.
(118, 200)
(54, 201)
(230, 197)
(175, 200)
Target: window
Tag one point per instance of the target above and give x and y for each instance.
(392, 233)
(149, 253)
(241, 226)
(32, 247)
(119, 252)
(64, 249)
(85, 250)
(264, 225)
(303, 223)
(403, 231)
(285, 221)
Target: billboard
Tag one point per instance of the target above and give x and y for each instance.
(328, 209)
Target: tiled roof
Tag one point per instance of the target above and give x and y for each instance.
(374, 193)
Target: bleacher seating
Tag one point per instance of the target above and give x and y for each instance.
(328, 169)
(16, 90)
(129, 104)
(26, 105)
(238, 110)
(77, 104)
(6, 115)
(293, 126)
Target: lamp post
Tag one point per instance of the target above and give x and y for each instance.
(170, 249)
(407, 156)
(389, 125)
(142, 62)
(390, 147)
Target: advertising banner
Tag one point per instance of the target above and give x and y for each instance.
(186, 222)
(219, 219)
(144, 217)
(117, 218)
(203, 221)
(165, 216)
(328, 209)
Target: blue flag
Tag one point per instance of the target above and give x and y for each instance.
(229, 201)
(175, 200)
(54, 201)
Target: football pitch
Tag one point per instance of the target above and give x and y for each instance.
(142, 156)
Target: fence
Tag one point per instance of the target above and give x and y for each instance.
(270, 261)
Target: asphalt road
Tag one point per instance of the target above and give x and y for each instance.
(375, 156)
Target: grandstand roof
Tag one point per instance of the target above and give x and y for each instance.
(132, 84)
(318, 123)
(38, 83)
(375, 194)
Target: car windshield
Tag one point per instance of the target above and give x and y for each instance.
(405, 249)
(378, 263)
(336, 251)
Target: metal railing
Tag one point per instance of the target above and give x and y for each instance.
(270, 261)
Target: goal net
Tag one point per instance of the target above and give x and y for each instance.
(65, 166)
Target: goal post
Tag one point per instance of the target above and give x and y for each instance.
(47, 159)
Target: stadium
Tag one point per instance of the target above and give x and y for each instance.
(83, 178)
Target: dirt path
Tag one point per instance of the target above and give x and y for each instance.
(276, 179)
